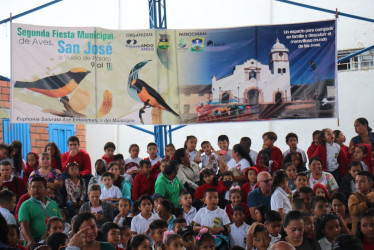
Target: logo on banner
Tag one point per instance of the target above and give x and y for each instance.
(163, 42)
(182, 43)
(197, 44)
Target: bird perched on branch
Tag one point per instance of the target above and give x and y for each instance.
(140, 91)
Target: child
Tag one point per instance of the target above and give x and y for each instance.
(132, 166)
(235, 196)
(14, 237)
(308, 225)
(247, 143)
(185, 200)
(109, 149)
(238, 228)
(4, 151)
(328, 228)
(112, 234)
(109, 192)
(298, 204)
(223, 144)
(154, 159)
(156, 199)
(228, 180)
(55, 153)
(164, 211)
(334, 159)
(67, 226)
(125, 236)
(157, 229)
(211, 217)
(264, 163)
(140, 223)
(169, 152)
(162, 166)
(251, 184)
(143, 182)
(306, 193)
(139, 242)
(208, 180)
(295, 159)
(260, 212)
(173, 242)
(209, 159)
(205, 240)
(292, 140)
(275, 154)
(75, 188)
(188, 236)
(120, 181)
(100, 167)
(313, 146)
(273, 223)
(280, 194)
(54, 225)
(360, 153)
(348, 185)
(190, 146)
(320, 190)
(7, 204)
(340, 139)
(365, 231)
(122, 219)
(300, 181)
(178, 224)
(258, 237)
(319, 206)
(32, 164)
(291, 172)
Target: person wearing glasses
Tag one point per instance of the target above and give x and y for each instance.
(261, 195)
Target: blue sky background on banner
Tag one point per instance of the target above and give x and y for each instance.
(240, 46)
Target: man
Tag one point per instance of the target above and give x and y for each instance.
(261, 195)
(168, 185)
(282, 245)
(35, 212)
(10, 182)
(75, 154)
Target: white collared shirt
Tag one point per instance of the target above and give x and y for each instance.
(215, 218)
(190, 215)
(140, 225)
(279, 199)
(325, 244)
(332, 153)
(112, 192)
(238, 235)
(7, 216)
(241, 165)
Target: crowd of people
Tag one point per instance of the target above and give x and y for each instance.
(196, 197)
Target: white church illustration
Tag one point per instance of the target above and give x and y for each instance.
(255, 83)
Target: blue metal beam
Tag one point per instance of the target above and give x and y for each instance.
(355, 54)
(29, 11)
(157, 14)
(327, 10)
(142, 129)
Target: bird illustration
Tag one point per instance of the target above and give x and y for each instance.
(58, 85)
(140, 91)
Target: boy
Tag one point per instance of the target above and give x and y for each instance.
(169, 151)
(273, 223)
(319, 206)
(208, 160)
(124, 207)
(300, 181)
(239, 228)
(112, 233)
(7, 204)
(185, 200)
(275, 154)
(228, 179)
(292, 140)
(188, 236)
(264, 163)
(306, 193)
(157, 228)
(308, 225)
(246, 142)
(109, 149)
(298, 204)
(223, 144)
(110, 193)
(141, 222)
(179, 223)
(152, 150)
(212, 217)
(361, 200)
(143, 182)
(10, 182)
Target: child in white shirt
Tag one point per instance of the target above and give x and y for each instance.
(109, 192)
(239, 228)
(273, 223)
(140, 223)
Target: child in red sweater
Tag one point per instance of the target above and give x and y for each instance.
(143, 183)
(313, 146)
(236, 200)
(32, 164)
(208, 180)
(275, 153)
(109, 149)
(251, 184)
(264, 162)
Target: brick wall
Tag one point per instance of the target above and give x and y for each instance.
(38, 131)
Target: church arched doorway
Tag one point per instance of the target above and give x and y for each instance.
(225, 98)
(278, 97)
(253, 97)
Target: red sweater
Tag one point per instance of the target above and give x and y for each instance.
(108, 160)
(312, 148)
(321, 152)
(276, 155)
(82, 158)
(28, 169)
(274, 167)
(229, 210)
(155, 170)
(17, 186)
(142, 185)
(199, 192)
(246, 188)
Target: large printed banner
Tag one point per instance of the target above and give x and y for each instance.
(95, 75)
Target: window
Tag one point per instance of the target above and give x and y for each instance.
(20, 132)
(284, 70)
(186, 108)
(59, 134)
(279, 70)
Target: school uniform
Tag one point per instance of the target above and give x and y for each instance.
(324, 244)
(142, 185)
(215, 218)
(8, 216)
(298, 150)
(192, 154)
(140, 225)
(238, 235)
(276, 155)
(279, 199)
(274, 239)
(190, 215)
(253, 154)
(112, 192)
(155, 169)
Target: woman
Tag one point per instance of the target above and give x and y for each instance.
(364, 136)
(319, 176)
(119, 181)
(85, 232)
(239, 162)
(340, 207)
(189, 171)
(294, 227)
(102, 211)
(55, 153)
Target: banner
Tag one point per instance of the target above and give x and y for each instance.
(95, 75)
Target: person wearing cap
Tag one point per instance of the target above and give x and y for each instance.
(156, 199)
(188, 236)
(168, 185)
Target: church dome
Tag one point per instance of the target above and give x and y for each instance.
(278, 47)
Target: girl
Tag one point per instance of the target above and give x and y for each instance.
(15, 150)
(132, 166)
(348, 185)
(291, 172)
(239, 162)
(205, 240)
(258, 237)
(340, 139)
(281, 194)
(14, 237)
(119, 181)
(328, 227)
(334, 159)
(100, 166)
(32, 164)
(366, 229)
(251, 174)
(54, 224)
(190, 146)
(236, 200)
(139, 242)
(313, 146)
(340, 207)
(320, 190)
(208, 180)
(360, 153)
(164, 210)
(125, 236)
(260, 212)
(295, 158)
(173, 242)
(75, 188)
(55, 153)
(122, 219)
